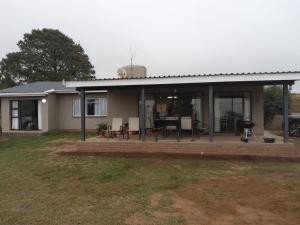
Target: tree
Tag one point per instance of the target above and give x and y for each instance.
(273, 102)
(45, 55)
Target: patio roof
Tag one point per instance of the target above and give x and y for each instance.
(267, 77)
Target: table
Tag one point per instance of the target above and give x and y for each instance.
(168, 121)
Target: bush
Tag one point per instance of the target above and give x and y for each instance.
(101, 127)
(273, 102)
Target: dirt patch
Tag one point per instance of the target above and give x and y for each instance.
(62, 144)
(237, 200)
(62, 147)
(64, 141)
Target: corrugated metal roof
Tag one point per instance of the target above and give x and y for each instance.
(200, 75)
(267, 78)
(44, 86)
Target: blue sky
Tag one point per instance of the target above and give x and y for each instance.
(171, 36)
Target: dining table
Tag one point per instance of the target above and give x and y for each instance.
(163, 122)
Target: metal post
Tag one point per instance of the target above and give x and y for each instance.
(210, 113)
(82, 115)
(142, 114)
(285, 113)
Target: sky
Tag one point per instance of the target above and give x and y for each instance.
(171, 37)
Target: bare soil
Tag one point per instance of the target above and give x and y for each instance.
(232, 200)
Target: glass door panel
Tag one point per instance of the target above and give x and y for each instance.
(230, 110)
(149, 106)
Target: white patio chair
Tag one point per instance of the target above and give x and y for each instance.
(186, 124)
(116, 126)
(133, 125)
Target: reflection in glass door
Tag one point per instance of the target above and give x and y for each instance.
(230, 110)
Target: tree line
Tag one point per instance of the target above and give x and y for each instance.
(45, 55)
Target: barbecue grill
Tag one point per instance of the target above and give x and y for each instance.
(248, 131)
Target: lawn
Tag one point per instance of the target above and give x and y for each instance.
(38, 186)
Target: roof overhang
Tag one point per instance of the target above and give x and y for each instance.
(43, 94)
(34, 94)
(265, 78)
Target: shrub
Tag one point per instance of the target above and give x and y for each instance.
(101, 127)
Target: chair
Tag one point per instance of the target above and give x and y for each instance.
(134, 125)
(116, 126)
(171, 127)
(186, 124)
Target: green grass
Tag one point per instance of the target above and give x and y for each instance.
(41, 187)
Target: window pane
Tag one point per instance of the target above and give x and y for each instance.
(15, 113)
(15, 104)
(247, 107)
(96, 107)
(237, 106)
(91, 100)
(149, 106)
(76, 107)
(26, 123)
(15, 123)
(90, 109)
(197, 111)
(104, 106)
(25, 108)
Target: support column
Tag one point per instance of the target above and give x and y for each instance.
(210, 113)
(285, 113)
(142, 114)
(82, 115)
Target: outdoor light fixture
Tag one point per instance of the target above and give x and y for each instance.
(44, 100)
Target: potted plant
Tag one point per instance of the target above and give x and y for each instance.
(101, 129)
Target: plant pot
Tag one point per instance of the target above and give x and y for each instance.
(269, 140)
(149, 131)
(103, 133)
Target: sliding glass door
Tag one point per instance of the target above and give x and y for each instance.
(175, 106)
(230, 109)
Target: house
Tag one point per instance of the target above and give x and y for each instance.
(218, 102)
(46, 106)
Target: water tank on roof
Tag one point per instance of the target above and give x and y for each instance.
(132, 71)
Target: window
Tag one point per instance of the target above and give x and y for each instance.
(93, 107)
(15, 115)
(24, 115)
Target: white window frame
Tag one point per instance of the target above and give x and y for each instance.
(86, 101)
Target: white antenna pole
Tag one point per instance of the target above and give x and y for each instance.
(132, 53)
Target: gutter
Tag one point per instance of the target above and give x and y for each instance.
(45, 93)
(22, 94)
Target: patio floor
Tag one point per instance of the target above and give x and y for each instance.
(223, 145)
(186, 138)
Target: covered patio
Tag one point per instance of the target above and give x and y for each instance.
(223, 145)
(242, 92)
